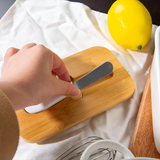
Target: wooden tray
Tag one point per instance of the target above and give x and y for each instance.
(97, 98)
(142, 141)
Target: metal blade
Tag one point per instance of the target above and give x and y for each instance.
(98, 73)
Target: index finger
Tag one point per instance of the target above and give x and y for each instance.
(59, 68)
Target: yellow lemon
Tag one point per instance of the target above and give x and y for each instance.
(129, 24)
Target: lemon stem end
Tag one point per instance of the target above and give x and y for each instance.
(139, 47)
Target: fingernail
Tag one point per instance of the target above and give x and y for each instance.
(78, 94)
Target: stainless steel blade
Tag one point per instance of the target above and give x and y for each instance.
(98, 73)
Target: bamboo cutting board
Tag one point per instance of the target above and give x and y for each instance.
(142, 142)
(97, 98)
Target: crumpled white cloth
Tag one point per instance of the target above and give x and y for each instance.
(67, 28)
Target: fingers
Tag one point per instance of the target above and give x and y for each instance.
(10, 52)
(59, 68)
(29, 45)
(65, 88)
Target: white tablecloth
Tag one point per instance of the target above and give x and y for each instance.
(67, 28)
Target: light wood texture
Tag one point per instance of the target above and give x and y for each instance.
(97, 98)
(142, 141)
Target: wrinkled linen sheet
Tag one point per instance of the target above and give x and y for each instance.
(67, 28)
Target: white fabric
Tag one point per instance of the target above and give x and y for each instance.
(67, 28)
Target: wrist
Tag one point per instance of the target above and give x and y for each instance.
(13, 94)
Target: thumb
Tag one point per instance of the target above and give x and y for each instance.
(65, 88)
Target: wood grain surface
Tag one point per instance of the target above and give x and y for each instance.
(97, 98)
(142, 141)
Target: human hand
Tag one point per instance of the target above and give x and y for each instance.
(29, 76)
